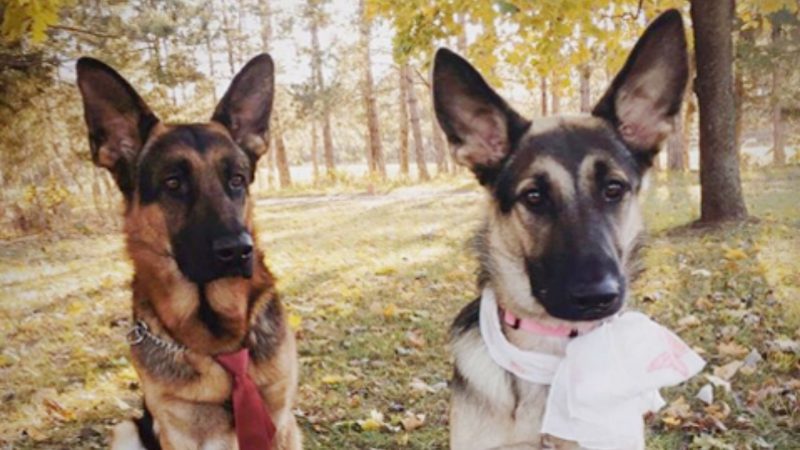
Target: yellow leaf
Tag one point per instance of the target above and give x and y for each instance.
(671, 421)
(389, 311)
(735, 254)
(371, 425)
(295, 321)
(332, 379)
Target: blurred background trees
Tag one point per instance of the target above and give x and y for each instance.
(353, 89)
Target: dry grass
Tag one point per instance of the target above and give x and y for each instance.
(373, 281)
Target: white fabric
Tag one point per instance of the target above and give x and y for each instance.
(606, 381)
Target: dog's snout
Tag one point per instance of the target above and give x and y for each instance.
(233, 250)
(596, 294)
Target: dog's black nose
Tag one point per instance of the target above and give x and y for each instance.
(597, 294)
(233, 250)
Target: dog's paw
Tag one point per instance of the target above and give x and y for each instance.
(125, 436)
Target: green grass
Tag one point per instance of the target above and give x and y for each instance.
(375, 281)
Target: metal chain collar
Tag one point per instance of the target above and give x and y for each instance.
(141, 332)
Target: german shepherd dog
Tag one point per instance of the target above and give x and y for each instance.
(200, 287)
(563, 219)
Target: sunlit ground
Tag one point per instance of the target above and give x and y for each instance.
(373, 281)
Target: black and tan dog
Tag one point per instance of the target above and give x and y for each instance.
(563, 220)
(200, 287)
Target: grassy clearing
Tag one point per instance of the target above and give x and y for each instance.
(373, 281)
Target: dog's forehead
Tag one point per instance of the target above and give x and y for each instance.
(569, 142)
(196, 139)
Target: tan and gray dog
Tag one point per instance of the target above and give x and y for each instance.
(200, 286)
(562, 223)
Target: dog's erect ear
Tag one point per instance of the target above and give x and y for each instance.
(479, 124)
(647, 93)
(245, 108)
(118, 120)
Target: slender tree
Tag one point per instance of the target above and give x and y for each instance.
(720, 185)
(374, 147)
(315, 17)
(276, 131)
(778, 126)
(543, 89)
(586, 87)
(402, 156)
(416, 130)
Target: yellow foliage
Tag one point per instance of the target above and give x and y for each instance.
(29, 16)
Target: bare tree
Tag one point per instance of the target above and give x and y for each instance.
(280, 159)
(778, 128)
(402, 156)
(315, 19)
(416, 130)
(374, 148)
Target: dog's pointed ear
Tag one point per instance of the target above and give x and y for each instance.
(118, 120)
(647, 93)
(479, 124)
(246, 107)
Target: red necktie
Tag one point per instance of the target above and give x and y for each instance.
(254, 427)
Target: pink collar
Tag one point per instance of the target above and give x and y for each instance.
(532, 326)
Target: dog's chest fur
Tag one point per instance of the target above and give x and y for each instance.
(492, 407)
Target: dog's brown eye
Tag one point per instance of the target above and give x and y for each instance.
(236, 182)
(614, 191)
(172, 184)
(534, 197)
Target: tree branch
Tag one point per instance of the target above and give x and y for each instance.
(85, 31)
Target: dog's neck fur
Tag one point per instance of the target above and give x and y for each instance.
(209, 319)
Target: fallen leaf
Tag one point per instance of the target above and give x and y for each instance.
(735, 254)
(389, 311)
(718, 382)
(731, 349)
(727, 371)
(689, 321)
(415, 339)
(295, 321)
(412, 421)
(706, 394)
(332, 379)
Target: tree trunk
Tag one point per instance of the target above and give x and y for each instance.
(314, 151)
(688, 124)
(438, 145)
(402, 156)
(738, 101)
(242, 49)
(675, 150)
(416, 131)
(281, 160)
(461, 39)
(276, 135)
(720, 185)
(316, 67)
(374, 147)
(543, 88)
(268, 179)
(212, 73)
(778, 131)
(586, 88)
(555, 98)
(228, 32)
